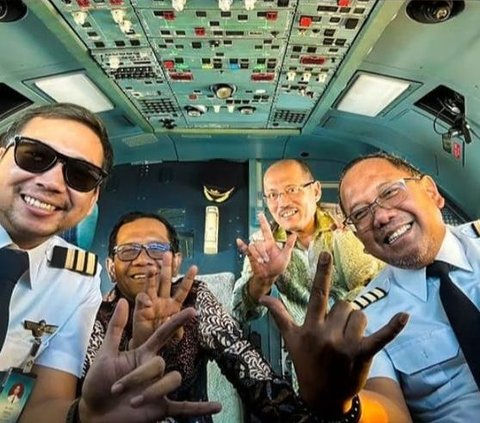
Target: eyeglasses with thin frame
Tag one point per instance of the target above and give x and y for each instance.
(390, 197)
(34, 156)
(131, 251)
(290, 191)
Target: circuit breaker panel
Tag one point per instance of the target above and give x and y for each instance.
(258, 64)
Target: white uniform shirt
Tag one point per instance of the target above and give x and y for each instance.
(62, 298)
(426, 358)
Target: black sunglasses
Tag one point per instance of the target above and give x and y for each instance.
(36, 157)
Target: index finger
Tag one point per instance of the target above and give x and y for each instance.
(166, 330)
(265, 228)
(165, 286)
(186, 285)
(115, 329)
(318, 303)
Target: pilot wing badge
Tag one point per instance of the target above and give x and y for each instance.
(74, 259)
(368, 298)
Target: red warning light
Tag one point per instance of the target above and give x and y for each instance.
(263, 77)
(169, 64)
(343, 3)
(200, 31)
(116, 2)
(305, 21)
(271, 16)
(312, 60)
(181, 76)
(169, 15)
(83, 3)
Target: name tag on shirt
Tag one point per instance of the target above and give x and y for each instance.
(16, 388)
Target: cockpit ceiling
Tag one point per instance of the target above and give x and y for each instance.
(256, 64)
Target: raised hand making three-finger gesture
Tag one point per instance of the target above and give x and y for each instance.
(331, 355)
(155, 304)
(267, 259)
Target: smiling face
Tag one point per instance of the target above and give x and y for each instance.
(294, 213)
(35, 206)
(130, 275)
(408, 235)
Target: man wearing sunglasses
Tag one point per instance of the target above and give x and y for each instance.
(286, 253)
(53, 160)
(429, 372)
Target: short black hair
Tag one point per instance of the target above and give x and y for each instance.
(67, 111)
(396, 161)
(135, 215)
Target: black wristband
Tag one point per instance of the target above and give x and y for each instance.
(72, 415)
(351, 416)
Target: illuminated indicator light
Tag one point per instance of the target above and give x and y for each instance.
(263, 77)
(83, 3)
(234, 66)
(312, 60)
(207, 66)
(216, 108)
(79, 17)
(200, 31)
(305, 21)
(230, 108)
(169, 64)
(343, 3)
(181, 76)
(116, 2)
(169, 16)
(193, 96)
(271, 16)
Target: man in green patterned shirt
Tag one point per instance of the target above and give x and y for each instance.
(286, 253)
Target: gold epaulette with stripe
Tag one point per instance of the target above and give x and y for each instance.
(368, 298)
(476, 227)
(79, 261)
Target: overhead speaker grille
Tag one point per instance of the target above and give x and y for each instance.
(289, 116)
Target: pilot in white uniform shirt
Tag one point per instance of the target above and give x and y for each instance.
(425, 358)
(61, 298)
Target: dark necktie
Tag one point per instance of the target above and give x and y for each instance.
(13, 264)
(464, 317)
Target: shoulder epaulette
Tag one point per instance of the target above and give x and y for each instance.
(368, 298)
(476, 227)
(73, 259)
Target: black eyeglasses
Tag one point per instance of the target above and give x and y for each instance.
(391, 196)
(36, 157)
(130, 252)
(290, 191)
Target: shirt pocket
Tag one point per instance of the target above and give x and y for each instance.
(426, 364)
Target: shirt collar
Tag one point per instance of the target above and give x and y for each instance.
(35, 255)
(323, 223)
(415, 280)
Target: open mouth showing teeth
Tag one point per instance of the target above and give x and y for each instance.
(288, 213)
(398, 233)
(38, 204)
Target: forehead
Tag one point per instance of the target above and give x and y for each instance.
(67, 136)
(283, 174)
(142, 230)
(366, 177)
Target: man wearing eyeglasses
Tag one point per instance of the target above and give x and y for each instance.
(143, 262)
(430, 372)
(286, 254)
(52, 162)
